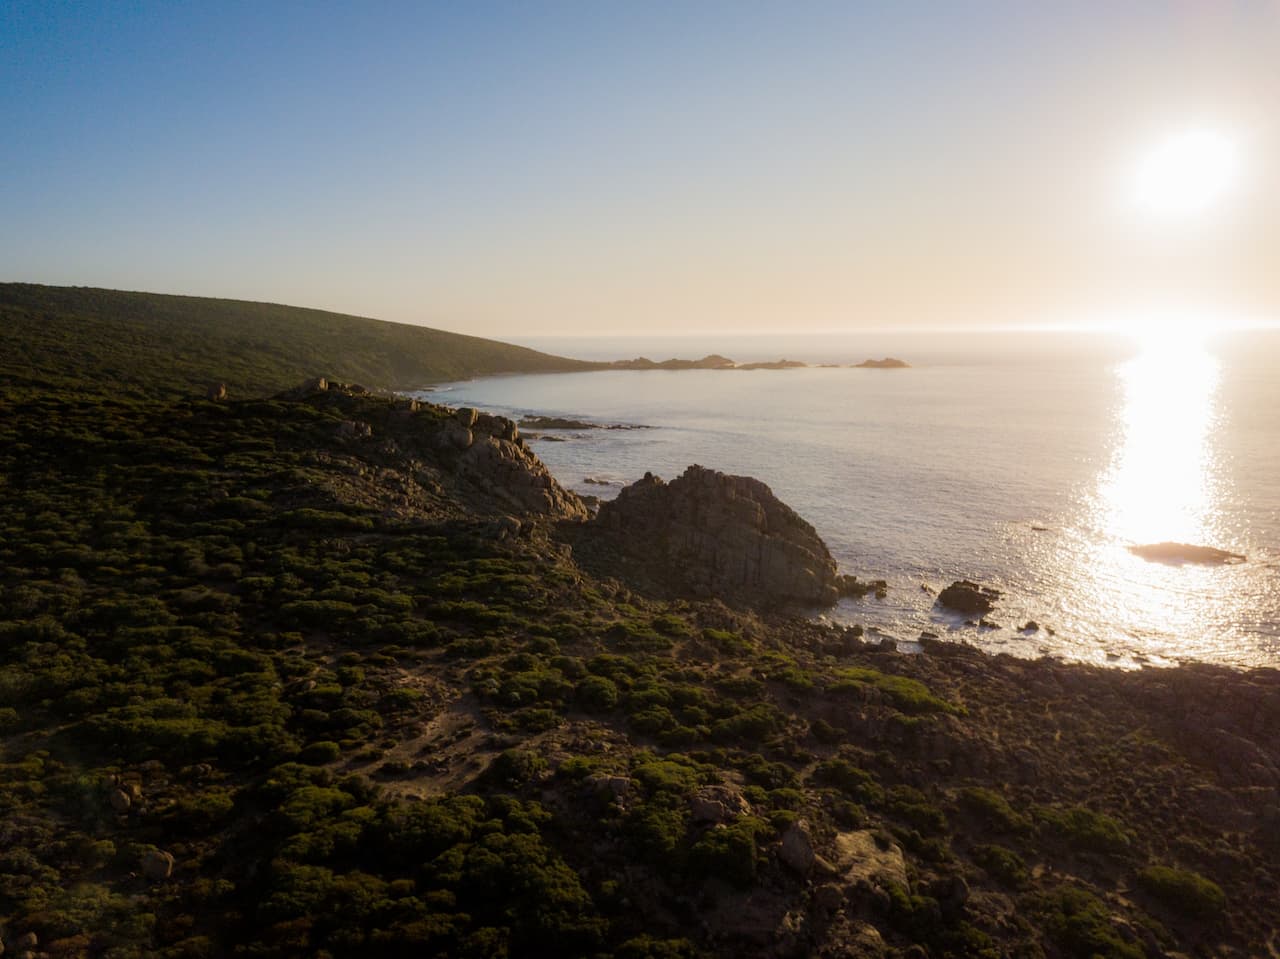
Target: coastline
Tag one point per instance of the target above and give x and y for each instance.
(909, 611)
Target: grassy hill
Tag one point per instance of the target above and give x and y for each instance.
(60, 337)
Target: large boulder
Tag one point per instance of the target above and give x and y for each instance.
(709, 534)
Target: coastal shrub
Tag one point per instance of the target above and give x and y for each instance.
(671, 625)
(597, 694)
(670, 775)
(515, 767)
(850, 779)
(763, 772)
(827, 734)
(319, 753)
(993, 809)
(728, 851)
(918, 916)
(1084, 828)
(912, 806)
(1002, 864)
(909, 695)
(726, 641)
(756, 723)
(1079, 923)
(1183, 891)
(537, 719)
(658, 831)
(653, 720)
(647, 947)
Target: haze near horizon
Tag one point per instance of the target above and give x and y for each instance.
(570, 169)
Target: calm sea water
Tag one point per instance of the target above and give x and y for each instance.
(1028, 462)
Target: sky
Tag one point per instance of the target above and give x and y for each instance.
(516, 169)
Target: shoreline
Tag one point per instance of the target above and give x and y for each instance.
(1121, 651)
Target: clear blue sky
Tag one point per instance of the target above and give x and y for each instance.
(522, 168)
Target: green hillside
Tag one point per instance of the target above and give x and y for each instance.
(78, 337)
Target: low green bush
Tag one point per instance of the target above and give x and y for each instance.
(1183, 891)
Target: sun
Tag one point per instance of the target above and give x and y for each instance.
(1186, 174)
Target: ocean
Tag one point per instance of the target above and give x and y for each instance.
(1029, 462)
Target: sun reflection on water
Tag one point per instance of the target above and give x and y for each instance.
(1161, 485)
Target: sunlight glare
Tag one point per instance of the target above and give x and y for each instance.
(1161, 486)
(1186, 174)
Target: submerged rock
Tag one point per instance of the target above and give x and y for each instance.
(1179, 553)
(710, 534)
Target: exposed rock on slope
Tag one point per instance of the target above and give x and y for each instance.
(417, 459)
(709, 534)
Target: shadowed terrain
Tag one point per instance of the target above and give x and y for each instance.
(321, 674)
(77, 337)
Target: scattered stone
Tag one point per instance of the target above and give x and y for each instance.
(861, 855)
(828, 897)
(119, 800)
(1030, 626)
(717, 804)
(797, 848)
(867, 942)
(556, 423)
(217, 392)
(466, 416)
(354, 429)
(851, 586)
(157, 864)
(610, 787)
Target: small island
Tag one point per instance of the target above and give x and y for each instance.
(888, 363)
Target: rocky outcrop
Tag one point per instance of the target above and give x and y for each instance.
(417, 460)
(710, 534)
(888, 363)
(969, 598)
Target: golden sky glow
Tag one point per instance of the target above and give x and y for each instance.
(579, 168)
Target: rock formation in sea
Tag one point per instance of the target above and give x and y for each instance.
(1178, 553)
(888, 363)
(967, 597)
(710, 534)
